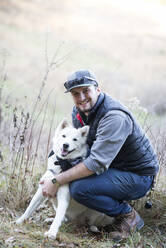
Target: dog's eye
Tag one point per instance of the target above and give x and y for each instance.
(64, 136)
(75, 139)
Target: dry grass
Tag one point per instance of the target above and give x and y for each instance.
(30, 235)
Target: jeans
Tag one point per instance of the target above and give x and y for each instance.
(107, 193)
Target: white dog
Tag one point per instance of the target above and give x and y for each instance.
(68, 143)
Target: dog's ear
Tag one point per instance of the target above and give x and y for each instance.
(84, 131)
(64, 123)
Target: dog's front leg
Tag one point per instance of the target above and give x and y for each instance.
(34, 204)
(63, 200)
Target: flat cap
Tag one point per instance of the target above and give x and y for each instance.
(80, 78)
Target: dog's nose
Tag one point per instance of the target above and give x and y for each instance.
(65, 145)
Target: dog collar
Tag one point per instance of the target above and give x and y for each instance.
(66, 164)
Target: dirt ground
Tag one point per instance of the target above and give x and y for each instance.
(122, 42)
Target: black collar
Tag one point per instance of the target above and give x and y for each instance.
(66, 164)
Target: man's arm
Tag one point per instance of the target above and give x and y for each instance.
(76, 172)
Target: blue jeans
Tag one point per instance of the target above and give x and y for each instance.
(108, 192)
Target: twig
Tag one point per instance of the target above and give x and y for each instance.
(38, 140)
(49, 134)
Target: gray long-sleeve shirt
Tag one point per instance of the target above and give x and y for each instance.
(112, 132)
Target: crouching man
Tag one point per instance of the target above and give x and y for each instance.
(121, 163)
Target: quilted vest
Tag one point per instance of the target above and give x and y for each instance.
(136, 154)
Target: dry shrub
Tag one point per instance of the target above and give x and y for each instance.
(25, 138)
(25, 141)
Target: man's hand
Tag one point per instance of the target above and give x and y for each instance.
(48, 188)
(79, 171)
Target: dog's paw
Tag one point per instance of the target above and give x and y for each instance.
(50, 235)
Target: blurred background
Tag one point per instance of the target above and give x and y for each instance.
(122, 41)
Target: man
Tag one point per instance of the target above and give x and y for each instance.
(121, 164)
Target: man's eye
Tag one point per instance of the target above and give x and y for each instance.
(75, 94)
(64, 136)
(75, 139)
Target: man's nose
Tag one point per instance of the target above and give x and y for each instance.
(82, 96)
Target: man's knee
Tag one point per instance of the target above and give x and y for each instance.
(76, 190)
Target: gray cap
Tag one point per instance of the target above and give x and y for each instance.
(80, 78)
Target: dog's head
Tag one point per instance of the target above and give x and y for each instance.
(69, 142)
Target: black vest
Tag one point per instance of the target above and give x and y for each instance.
(136, 154)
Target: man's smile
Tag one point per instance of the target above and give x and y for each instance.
(84, 103)
(85, 97)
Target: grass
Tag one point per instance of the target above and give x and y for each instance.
(30, 234)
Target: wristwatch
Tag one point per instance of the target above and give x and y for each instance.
(54, 181)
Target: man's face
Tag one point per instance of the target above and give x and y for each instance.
(85, 97)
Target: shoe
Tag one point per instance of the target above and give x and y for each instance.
(125, 225)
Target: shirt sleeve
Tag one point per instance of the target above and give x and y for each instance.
(112, 132)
